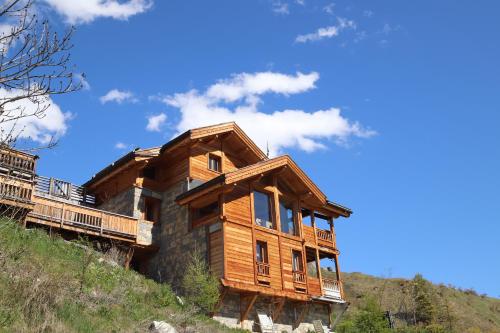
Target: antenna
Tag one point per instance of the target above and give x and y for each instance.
(267, 148)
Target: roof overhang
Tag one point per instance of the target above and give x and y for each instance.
(228, 180)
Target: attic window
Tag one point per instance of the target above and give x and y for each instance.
(214, 163)
(149, 172)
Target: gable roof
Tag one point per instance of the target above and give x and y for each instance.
(184, 138)
(134, 155)
(219, 129)
(262, 168)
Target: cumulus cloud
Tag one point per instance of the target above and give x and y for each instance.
(329, 8)
(280, 8)
(155, 122)
(237, 99)
(120, 145)
(118, 96)
(41, 128)
(86, 11)
(326, 32)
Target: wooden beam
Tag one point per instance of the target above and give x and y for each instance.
(129, 256)
(279, 308)
(248, 308)
(220, 301)
(303, 313)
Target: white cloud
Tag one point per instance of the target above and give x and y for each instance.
(281, 129)
(326, 32)
(120, 145)
(280, 8)
(301, 2)
(85, 11)
(118, 96)
(81, 79)
(329, 8)
(41, 128)
(155, 122)
(368, 13)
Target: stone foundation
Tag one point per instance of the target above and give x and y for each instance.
(229, 314)
(175, 240)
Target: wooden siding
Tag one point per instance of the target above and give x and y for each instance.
(216, 254)
(238, 249)
(237, 205)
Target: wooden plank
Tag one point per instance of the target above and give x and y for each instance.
(247, 308)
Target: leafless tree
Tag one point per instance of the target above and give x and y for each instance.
(34, 65)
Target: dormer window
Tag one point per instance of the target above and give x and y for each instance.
(214, 163)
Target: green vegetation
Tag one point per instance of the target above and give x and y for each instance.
(200, 287)
(49, 285)
(417, 306)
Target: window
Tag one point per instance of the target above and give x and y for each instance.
(261, 252)
(312, 264)
(287, 218)
(149, 172)
(297, 265)
(205, 211)
(262, 209)
(214, 163)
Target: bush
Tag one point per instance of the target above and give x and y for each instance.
(201, 288)
(370, 319)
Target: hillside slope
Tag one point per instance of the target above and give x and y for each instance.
(468, 311)
(49, 285)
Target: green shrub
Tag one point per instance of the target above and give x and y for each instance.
(200, 287)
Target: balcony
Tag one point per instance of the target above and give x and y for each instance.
(324, 238)
(262, 269)
(332, 289)
(73, 217)
(299, 277)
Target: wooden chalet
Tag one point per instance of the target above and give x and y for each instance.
(263, 225)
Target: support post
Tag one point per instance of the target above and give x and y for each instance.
(248, 308)
(128, 258)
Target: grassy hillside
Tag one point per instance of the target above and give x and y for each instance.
(53, 286)
(463, 310)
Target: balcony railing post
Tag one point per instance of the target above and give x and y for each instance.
(63, 213)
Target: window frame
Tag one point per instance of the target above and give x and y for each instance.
(285, 198)
(215, 157)
(301, 261)
(264, 253)
(271, 208)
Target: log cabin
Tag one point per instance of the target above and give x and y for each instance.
(263, 226)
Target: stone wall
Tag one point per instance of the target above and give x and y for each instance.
(174, 239)
(122, 203)
(229, 314)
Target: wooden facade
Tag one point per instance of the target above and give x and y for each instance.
(265, 226)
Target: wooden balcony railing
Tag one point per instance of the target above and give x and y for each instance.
(60, 189)
(262, 269)
(332, 288)
(80, 218)
(299, 277)
(324, 235)
(15, 191)
(16, 160)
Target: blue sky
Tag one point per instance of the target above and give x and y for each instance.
(408, 128)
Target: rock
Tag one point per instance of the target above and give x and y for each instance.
(179, 300)
(161, 327)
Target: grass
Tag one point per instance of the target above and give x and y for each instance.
(49, 285)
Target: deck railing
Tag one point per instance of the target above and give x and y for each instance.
(299, 277)
(262, 268)
(13, 160)
(61, 189)
(86, 218)
(324, 235)
(332, 288)
(14, 191)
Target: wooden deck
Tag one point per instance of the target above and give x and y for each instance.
(68, 216)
